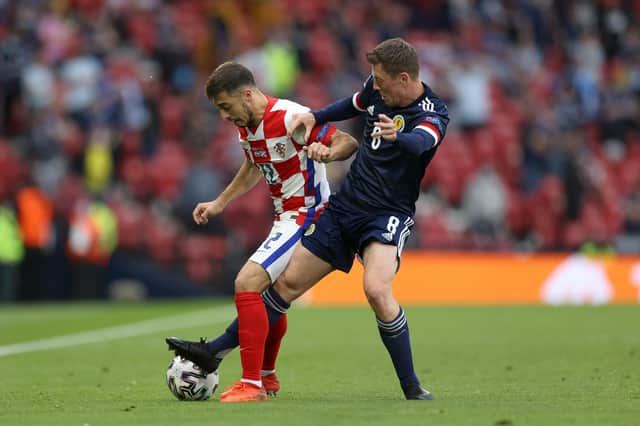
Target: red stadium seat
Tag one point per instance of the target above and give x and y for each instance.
(484, 148)
(130, 226)
(547, 229)
(517, 214)
(135, 172)
(433, 232)
(201, 271)
(172, 111)
(550, 197)
(250, 216)
(187, 16)
(574, 236)
(167, 170)
(142, 29)
(310, 88)
(217, 247)
(160, 237)
(203, 247)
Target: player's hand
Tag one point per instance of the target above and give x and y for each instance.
(204, 211)
(387, 128)
(318, 152)
(306, 120)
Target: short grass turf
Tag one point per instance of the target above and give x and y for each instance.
(484, 365)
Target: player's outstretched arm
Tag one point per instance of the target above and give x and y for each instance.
(343, 145)
(421, 139)
(246, 178)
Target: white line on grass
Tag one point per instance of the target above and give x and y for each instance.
(100, 335)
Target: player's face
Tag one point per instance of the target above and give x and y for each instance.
(389, 87)
(235, 108)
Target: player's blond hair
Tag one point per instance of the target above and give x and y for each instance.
(396, 56)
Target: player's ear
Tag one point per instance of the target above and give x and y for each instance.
(404, 77)
(247, 94)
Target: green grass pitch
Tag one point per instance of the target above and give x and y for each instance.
(484, 365)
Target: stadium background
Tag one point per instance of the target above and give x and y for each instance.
(107, 141)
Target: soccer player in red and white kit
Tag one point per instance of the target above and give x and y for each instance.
(296, 176)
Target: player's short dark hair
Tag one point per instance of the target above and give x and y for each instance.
(396, 56)
(228, 77)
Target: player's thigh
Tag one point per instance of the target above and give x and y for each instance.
(380, 261)
(389, 232)
(303, 271)
(330, 239)
(271, 257)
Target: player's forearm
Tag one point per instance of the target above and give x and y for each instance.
(343, 145)
(337, 111)
(416, 142)
(246, 178)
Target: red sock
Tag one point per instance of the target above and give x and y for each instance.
(253, 327)
(272, 345)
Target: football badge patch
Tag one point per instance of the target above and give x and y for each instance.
(281, 149)
(398, 121)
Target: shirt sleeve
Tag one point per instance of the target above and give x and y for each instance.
(322, 133)
(426, 135)
(347, 107)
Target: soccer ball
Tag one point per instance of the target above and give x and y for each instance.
(188, 383)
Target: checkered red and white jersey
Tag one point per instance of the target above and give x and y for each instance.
(296, 183)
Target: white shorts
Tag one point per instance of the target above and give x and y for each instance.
(276, 250)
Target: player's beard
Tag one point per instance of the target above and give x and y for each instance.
(251, 118)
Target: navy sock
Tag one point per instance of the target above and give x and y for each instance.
(228, 340)
(395, 336)
(276, 306)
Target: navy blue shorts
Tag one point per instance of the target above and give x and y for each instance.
(339, 234)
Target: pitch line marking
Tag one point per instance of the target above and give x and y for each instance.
(207, 316)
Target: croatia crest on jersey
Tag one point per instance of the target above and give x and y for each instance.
(281, 149)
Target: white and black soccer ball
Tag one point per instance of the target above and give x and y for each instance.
(188, 382)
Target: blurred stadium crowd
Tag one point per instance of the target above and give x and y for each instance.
(107, 141)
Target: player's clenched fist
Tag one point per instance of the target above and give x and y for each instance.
(204, 211)
(318, 152)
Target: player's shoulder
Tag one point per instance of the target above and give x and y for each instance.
(438, 105)
(368, 83)
(287, 109)
(428, 104)
(428, 110)
(368, 94)
(288, 106)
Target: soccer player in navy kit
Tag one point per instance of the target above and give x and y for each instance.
(372, 213)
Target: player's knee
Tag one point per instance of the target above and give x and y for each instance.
(248, 283)
(241, 284)
(377, 294)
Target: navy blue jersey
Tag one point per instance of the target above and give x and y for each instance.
(386, 175)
